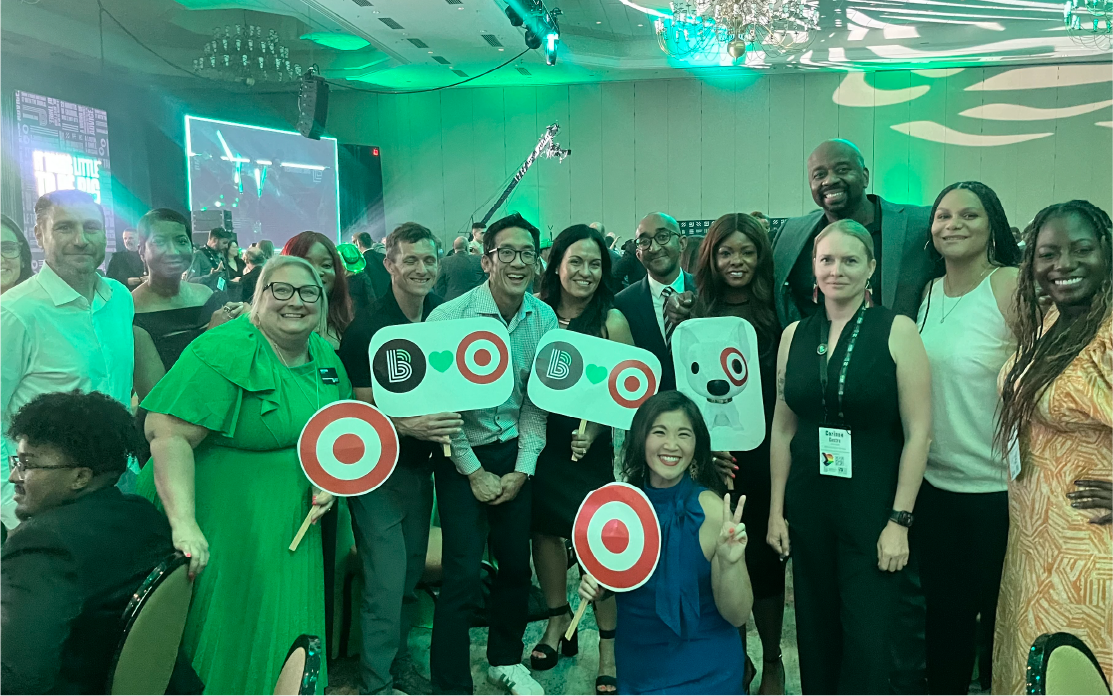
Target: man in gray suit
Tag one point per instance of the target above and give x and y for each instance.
(460, 272)
(838, 178)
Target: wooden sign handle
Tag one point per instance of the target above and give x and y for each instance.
(576, 619)
(447, 450)
(301, 532)
(580, 433)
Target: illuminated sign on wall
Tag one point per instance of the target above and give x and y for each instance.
(62, 146)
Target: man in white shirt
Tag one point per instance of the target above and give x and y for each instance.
(659, 245)
(67, 327)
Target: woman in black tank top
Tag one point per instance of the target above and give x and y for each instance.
(849, 446)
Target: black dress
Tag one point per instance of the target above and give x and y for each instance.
(560, 484)
(173, 329)
(844, 603)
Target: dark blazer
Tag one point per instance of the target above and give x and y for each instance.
(66, 576)
(376, 271)
(636, 305)
(458, 274)
(906, 266)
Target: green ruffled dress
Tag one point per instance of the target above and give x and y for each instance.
(255, 596)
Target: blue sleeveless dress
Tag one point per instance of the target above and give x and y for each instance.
(671, 637)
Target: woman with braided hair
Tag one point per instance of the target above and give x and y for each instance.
(1056, 424)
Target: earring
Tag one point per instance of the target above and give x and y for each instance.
(815, 293)
(927, 244)
(693, 470)
(992, 248)
(868, 300)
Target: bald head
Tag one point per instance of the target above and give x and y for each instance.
(459, 244)
(659, 246)
(658, 221)
(838, 178)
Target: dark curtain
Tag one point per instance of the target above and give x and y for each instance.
(361, 192)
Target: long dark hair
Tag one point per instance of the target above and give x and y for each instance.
(1001, 249)
(593, 320)
(26, 270)
(634, 467)
(339, 302)
(1041, 357)
(761, 312)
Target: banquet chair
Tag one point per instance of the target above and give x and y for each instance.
(301, 668)
(153, 623)
(1060, 663)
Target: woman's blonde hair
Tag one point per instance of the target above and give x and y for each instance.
(269, 269)
(850, 228)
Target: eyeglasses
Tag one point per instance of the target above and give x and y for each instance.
(507, 255)
(9, 250)
(284, 291)
(17, 464)
(662, 238)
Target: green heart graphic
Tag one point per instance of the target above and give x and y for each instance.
(441, 361)
(596, 373)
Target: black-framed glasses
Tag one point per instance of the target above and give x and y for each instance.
(9, 250)
(15, 463)
(284, 291)
(507, 255)
(662, 238)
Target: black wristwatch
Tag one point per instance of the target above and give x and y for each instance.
(901, 517)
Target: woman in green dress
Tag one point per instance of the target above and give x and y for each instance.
(223, 427)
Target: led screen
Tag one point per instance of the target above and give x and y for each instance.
(275, 183)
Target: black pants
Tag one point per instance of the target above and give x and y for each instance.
(845, 611)
(962, 539)
(464, 525)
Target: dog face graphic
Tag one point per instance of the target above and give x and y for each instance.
(715, 371)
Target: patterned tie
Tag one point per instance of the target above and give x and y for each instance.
(666, 293)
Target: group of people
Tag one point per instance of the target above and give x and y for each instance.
(951, 391)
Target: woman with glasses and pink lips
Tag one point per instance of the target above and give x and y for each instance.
(15, 255)
(223, 426)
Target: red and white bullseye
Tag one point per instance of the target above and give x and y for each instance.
(348, 448)
(482, 357)
(631, 382)
(617, 536)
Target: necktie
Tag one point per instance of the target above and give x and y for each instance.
(666, 293)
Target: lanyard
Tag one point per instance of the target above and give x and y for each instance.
(824, 335)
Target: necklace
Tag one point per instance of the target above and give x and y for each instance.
(943, 301)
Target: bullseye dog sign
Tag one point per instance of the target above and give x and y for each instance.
(592, 378)
(716, 363)
(443, 366)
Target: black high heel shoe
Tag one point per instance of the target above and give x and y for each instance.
(605, 680)
(568, 648)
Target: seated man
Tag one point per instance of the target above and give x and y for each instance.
(82, 548)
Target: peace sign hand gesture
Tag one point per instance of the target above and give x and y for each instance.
(732, 537)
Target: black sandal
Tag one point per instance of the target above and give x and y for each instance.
(568, 648)
(606, 680)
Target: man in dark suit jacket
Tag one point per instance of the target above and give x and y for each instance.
(659, 244)
(375, 270)
(82, 549)
(460, 272)
(838, 178)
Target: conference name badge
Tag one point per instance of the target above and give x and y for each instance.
(834, 452)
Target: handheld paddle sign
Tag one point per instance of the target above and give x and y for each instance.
(617, 539)
(346, 448)
(591, 378)
(716, 363)
(441, 366)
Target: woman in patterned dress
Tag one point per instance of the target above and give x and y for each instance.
(1057, 396)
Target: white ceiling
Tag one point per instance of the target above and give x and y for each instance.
(600, 39)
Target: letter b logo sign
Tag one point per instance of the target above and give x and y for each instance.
(559, 365)
(399, 366)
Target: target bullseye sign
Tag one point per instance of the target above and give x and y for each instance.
(617, 536)
(348, 448)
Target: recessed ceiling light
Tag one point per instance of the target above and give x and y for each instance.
(502, 49)
(430, 52)
(598, 22)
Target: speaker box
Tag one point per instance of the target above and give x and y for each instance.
(204, 221)
(312, 106)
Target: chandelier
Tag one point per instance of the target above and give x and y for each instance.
(1090, 22)
(243, 54)
(775, 27)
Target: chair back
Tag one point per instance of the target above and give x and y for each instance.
(301, 668)
(153, 621)
(1060, 664)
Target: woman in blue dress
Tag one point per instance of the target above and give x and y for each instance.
(678, 633)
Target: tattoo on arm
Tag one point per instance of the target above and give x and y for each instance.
(781, 387)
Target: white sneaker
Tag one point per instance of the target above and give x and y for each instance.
(514, 678)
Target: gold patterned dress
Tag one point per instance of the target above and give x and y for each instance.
(1058, 573)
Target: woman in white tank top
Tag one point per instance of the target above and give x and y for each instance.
(962, 516)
